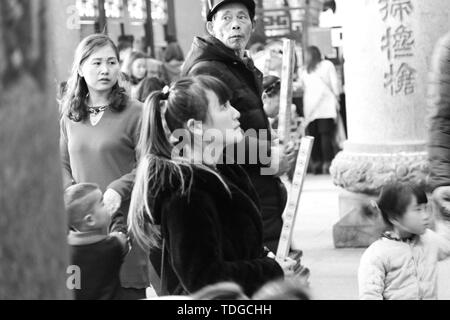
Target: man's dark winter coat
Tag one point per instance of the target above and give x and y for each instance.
(211, 235)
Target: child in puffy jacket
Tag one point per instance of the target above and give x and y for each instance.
(402, 265)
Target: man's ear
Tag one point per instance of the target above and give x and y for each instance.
(210, 28)
(89, 220)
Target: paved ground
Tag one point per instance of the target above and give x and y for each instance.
(333, 271)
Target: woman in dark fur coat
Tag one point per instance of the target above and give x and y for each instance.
(204, 215)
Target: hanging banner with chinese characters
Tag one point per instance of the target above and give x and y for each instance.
(398, 42)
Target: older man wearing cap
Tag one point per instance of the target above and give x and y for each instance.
(223, 54)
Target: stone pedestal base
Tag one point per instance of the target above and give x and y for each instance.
(367, 168)
(361, 171)
(359, 226)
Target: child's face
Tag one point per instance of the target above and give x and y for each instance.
(271, 105)
(223, 119)
(416, 218)
(100, 217)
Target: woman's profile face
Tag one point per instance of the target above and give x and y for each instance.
(222, 123)
(139, 69)
(101, 69)
(271, 104)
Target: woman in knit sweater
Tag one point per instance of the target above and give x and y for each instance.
(99, 131)
(321, 105)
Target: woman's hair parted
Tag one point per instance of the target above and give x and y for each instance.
(316, 58)
(185, 100)
(74, 101)
(395, 198)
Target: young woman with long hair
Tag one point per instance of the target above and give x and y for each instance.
(99, 133)
(321, 107)
(203, 215)
(136, 69)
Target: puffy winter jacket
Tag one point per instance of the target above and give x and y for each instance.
(391, 269)
(439, 111)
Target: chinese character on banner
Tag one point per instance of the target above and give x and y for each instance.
(400, 42)
(396, 8)
(403, 81)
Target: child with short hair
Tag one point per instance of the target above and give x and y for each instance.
(98, 253)
(271, 100)
(402, 265)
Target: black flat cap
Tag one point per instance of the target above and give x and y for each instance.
(250, 4)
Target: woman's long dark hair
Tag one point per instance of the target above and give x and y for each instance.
(157, 167)
(316, 58)
(74, 101)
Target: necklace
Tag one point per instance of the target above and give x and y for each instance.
(96, 110)
(96, 114)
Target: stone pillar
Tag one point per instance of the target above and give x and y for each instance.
(387, 48)
(33, 250)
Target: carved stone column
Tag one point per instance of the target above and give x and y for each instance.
(33, 250)
(387, 48)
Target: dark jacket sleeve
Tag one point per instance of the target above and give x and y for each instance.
(439, 111)
(194, 241)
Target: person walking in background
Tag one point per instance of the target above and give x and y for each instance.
(321, 106)
(136, 69)
(99, 133)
